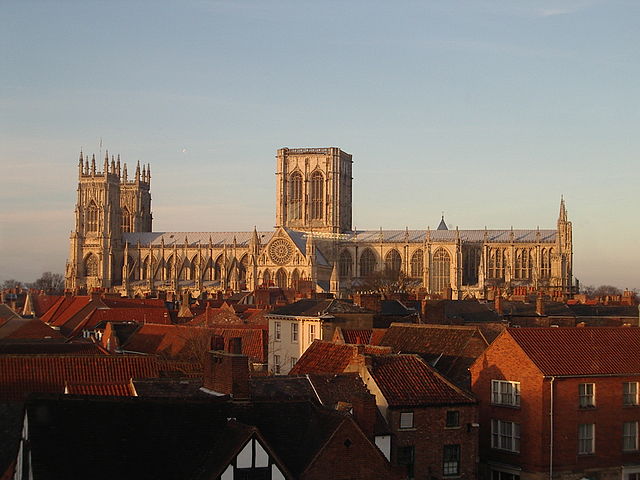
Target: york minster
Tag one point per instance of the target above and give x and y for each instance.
(113, 246)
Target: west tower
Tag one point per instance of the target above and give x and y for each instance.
(108, 205)
(314, 189)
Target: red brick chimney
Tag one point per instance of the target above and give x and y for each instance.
(228, 373)
(498, 304)
(364, 413)
(540, 305)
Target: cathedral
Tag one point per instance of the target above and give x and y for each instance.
(114, 248)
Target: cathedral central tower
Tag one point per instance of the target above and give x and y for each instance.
(314, 189)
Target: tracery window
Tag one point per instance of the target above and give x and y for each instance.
(218, 268)
(242, 267)
(441, 271)
(317, 196)
(266, 278)
(496, 263)
(545, 263)
(367, 263)
(523, 263)
(345, 264)
(126, 220)
(295, 279)
(92, 218)
(471, 265)
(295, 196)
(417, 264)
(281, 278)
(392, 261)
(168, 269)
(146, 266)
(91, 266)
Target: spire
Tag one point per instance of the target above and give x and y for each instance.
(138, 171)
(86, 165)
(334, 281)
(124, 173)
(93, 164)
(443, 225)
(113, 165)
(148, 173)
(144, 173)
(118, 166)
(309, 246)
(563, 211)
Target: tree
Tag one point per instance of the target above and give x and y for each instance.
(11, 283)
(604, 290)
(387, 282)
(50, 283)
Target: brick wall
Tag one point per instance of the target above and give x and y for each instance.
(429, 436)
(349, 455)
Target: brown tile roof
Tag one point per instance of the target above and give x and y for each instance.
(24, 374)
(406, 380)
(324, 358)
(451, 349)
(581, 351)
(357, 335)
(178, 341)
(112, 389)
(51, 348)
(40, 303)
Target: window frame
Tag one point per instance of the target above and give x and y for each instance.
(294, 332)
(505, 436)
(456, 415)
(633, 436)
(451, 461)
(499, 392)
(312, 333)
(627, 394)
(404, 425)
(277, 334)
(587, 395)
(586, 438)
(276, 363)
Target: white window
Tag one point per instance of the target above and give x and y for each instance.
(312, 333)
(277, 331)
(505, 393)
(586, 438)
(587, 395)
(406, 419)
(630, 393)
(293, 361)
(630, 436)
(505, 435)
(276, 364)
(294, 333)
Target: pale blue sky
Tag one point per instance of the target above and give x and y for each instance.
(488, 110)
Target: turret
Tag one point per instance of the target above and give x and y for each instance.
(93, 164)
(138, 171)
(118, 166)
(80, 165)
(105, 169)
(148, 173)
(124, 173)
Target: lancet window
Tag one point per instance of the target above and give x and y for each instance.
(441, 271)
(345, 264)
(91, 266)
(317, 196)
(417, 263)
(392, 261)
(92, 218)
(295, 196)
(367, 263)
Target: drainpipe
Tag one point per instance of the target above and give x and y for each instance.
(551, 429)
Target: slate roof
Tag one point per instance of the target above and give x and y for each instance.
(593, 350)
(168, 387)
(528, 309)
(24, 374)
(307, 307)
(299, 238)
(475, 236)
(464, 310)
(581, 310)
(406, 380)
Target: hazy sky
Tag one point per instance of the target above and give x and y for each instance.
(486, 110)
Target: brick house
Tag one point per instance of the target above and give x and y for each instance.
(560, 403)
(433, 423)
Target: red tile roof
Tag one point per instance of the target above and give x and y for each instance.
(24, 328)
(40, 303)
(324, 358)
(581, 351)
(24, 374)
(406, 380)
(134, 302)
(357, 336)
